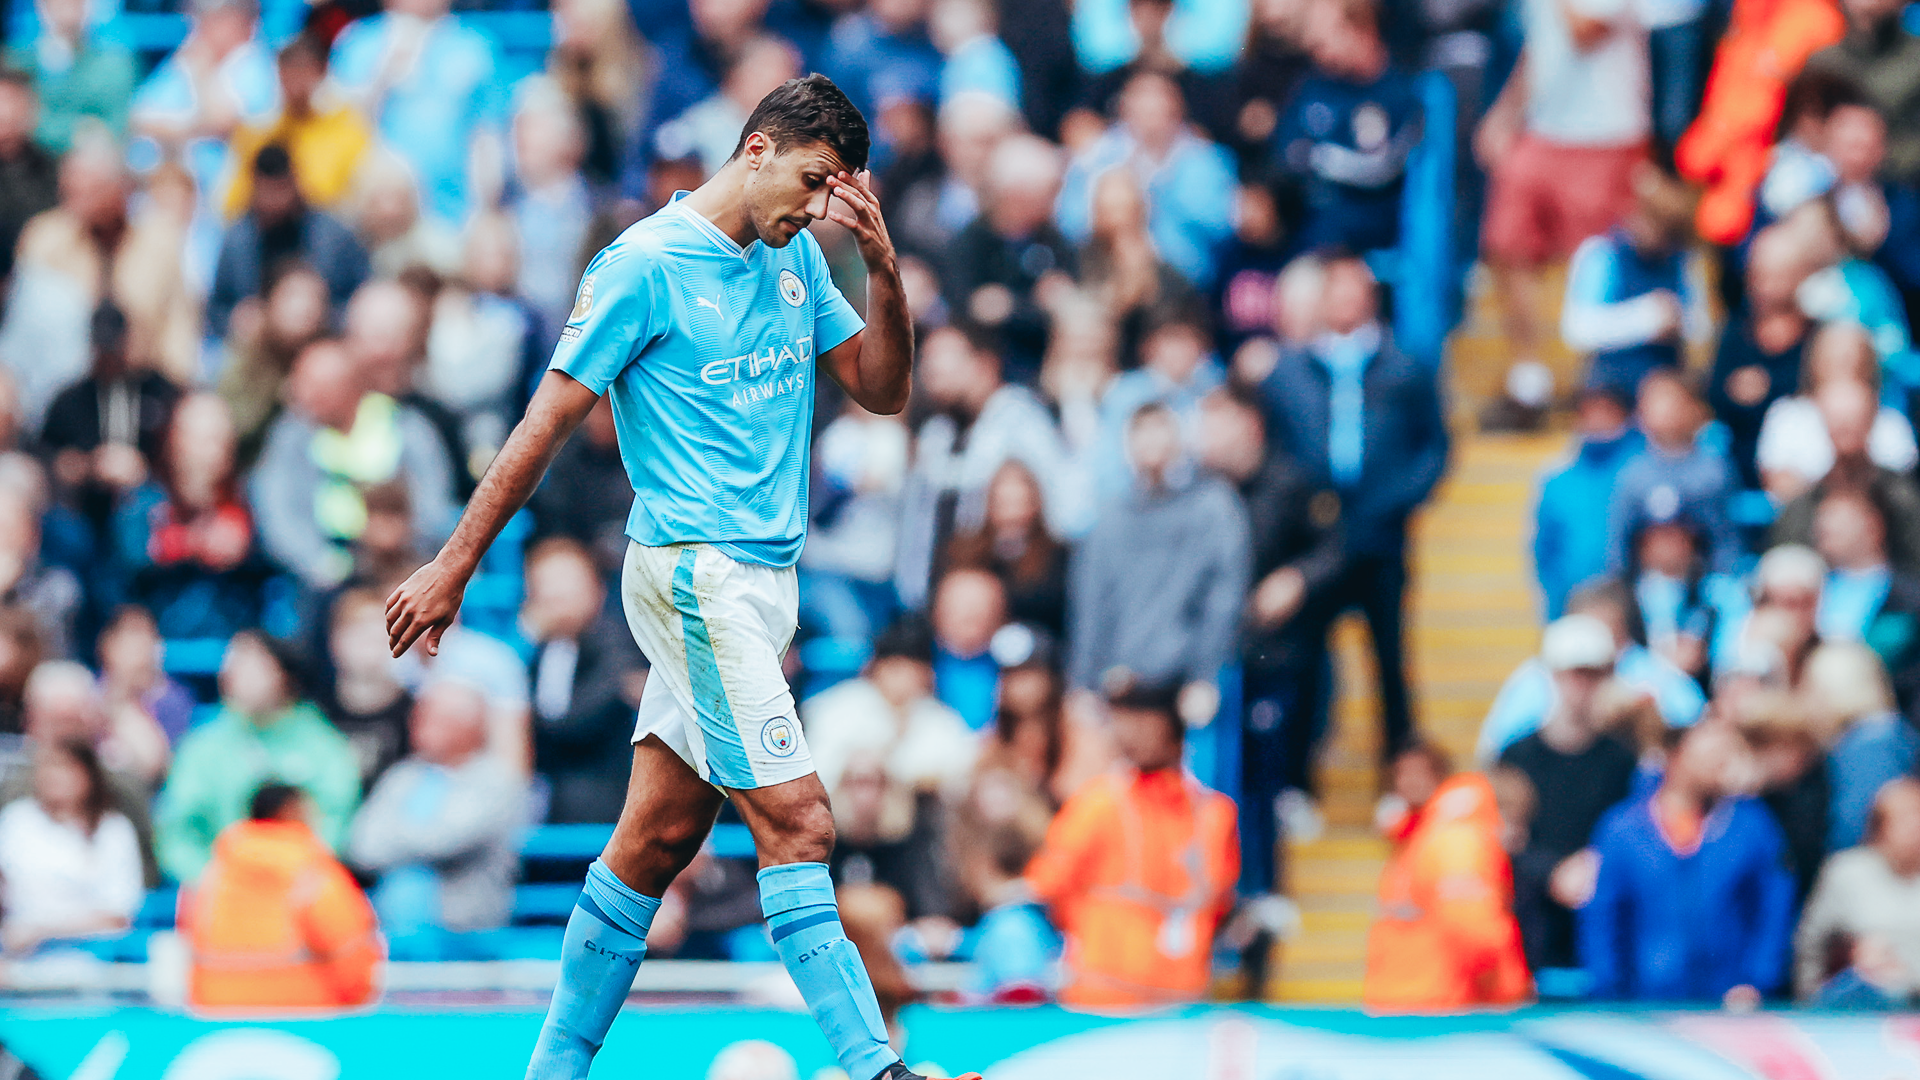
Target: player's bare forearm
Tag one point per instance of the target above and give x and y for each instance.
(425, 604)
(875, 366)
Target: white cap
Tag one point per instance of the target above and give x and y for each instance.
(1578, 641)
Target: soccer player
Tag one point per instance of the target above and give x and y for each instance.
(707, 323)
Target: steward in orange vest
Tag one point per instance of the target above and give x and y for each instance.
(1445, 938)
(275, 922)
(1138, 868)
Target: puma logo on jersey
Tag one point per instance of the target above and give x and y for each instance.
(704, 302)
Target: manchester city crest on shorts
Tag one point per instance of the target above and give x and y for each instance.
(779, 736)
(791, 290)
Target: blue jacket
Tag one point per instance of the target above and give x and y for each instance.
(1663, 927)
(325, 244)
(1404, 453)
(1570, 522)
(1347, 145)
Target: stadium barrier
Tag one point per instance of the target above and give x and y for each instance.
(1042, 1043)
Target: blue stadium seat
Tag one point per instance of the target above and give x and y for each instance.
(157, 910)
(582, 843)
(192, 656)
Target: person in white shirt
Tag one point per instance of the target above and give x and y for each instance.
(69, 865)
(890, 714)
(1795, 451)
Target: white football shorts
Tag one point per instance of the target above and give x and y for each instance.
(715, 631)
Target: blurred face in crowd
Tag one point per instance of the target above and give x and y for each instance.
(301, 73)
(1849, 409)
(1147, 738)
(1784, 617)
(1348, 299)
(564, 595)
(297, 308)
(493, 256)
(1849, 532)
(968, 608)
(1577, 690)
(901, 681)
(1338, 43)
(17, 117)
(66, 19)
(1669, 413)
(1709, 762)
(1416, 776)
(548, 142)
(1153, 445)
(1856, 142)
(726, 20)
(1118, 207)
(389, 204)
(1174, 351)
(64, 706)
(1667, 547)
(200, 449)
(60, 783)
(252, 682)
(130, 649)
(326, 386)
(763, 65)
(971, 125)
(1600, 417)
(1776, 266)
(19, 535)
(1152, 109)
(956, 377)
(93, 185)
(224, 28)
(449, 723)
(1296, 300)
(1841, 352)
(1897, 813)
(1013, 502)
(1024, 180)
(1232, 438)
(357, 641)
(387, 334)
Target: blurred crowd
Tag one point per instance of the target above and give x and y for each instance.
(275, 299)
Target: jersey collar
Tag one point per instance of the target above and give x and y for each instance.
(713, 232)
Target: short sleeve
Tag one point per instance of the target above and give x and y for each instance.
(618, 310)
(834, 320)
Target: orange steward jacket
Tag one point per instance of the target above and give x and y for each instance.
(276, 923)
(1137, 870)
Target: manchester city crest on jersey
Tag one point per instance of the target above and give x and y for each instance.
(791, 288)
(780, 737)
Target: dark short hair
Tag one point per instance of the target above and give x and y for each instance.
(16, 77)
(107, 329)
(99, 798)
(304, 46)
(811, 110)
(1125, 690)
(272, 800)
(908, 638)
(273, 162)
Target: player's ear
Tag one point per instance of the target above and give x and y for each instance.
(757, 149)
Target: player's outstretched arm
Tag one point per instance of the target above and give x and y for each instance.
(424, 605)
(875, 366)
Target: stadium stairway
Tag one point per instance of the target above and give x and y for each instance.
(1471, 620)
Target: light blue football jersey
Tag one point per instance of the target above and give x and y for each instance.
(710, 353)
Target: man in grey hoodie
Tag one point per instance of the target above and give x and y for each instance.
(1158, 584)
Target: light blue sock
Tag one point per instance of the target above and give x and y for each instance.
(606, 940)
(798, 902)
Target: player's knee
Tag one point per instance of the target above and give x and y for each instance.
(806, 833)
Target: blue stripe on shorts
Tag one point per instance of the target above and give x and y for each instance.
(727, 764)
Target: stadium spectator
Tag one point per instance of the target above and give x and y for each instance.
(1691, 902)
(325, 138)
(70, 863)
(1016, 951)
(493, 665)
(1578, 774)
(264, 338)
(184, 542)
(1869, 742)
(1726, 149)
(1013, 542)
(599, 61)
(1794, 450)
(965, 32)
(1294, 533)
(1790, 777)
(79, 75)
(484, 339)
(1759, 357)
(1446, 936)
(1180, 172)
(888, 835)
(364, 699)
(1635, 297)
(1879, 54)
(50, 595)
(1561, 145)
(1026, 753)
(1850, 410)
(29, 173)
(969, 609)
(1869, 892)
(929, 207)
(132, 681)
(1184, 532)
(587, 675)
(882, 50)
(389, 328)
(1345, 139)
(1570, 518)
(265, 730)
(709, 129)
(860, 467)
(391, 224)
(1138, 868)
(1176, 369)
(890, 714)
(104, 431)
(1121, 270)
(279, 226)
(440, 829)
(308, 490)
(689, 58)
(980, 422)
(277, 923)
(1364, 420)
(549, 203)
(1676, 475)
(220, 77)
(1244, 296)
(1208, 92)
(429, 83)
(1863, 599)
(1002, 267)
(586, 492)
